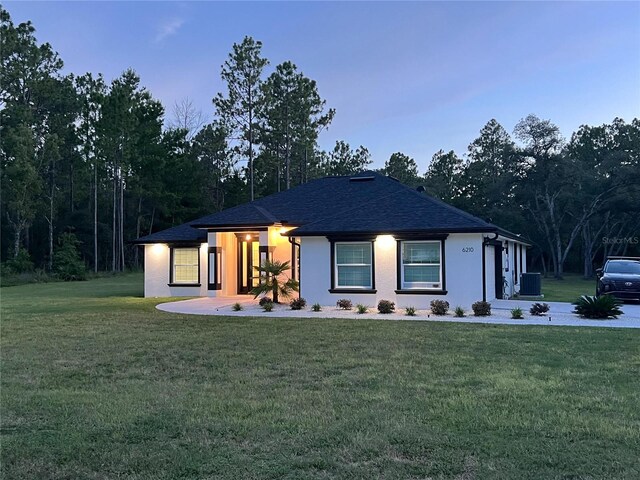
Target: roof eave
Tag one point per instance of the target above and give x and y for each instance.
(230, 227)
(322, 233)
(169, 242)
(512, 236)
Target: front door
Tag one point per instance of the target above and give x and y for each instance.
(248, 259)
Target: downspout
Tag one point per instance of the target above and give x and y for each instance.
(485, 242)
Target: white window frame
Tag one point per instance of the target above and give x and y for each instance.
(420, 285)
(174, 265)
(337, 285)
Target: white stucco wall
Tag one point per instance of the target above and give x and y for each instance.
(463, 270)
(156, 273)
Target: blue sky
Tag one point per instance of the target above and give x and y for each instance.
(411, 77)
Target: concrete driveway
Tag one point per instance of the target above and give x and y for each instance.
(629, 309)
(559, 315)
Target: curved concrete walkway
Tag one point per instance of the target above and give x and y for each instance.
(559, 315)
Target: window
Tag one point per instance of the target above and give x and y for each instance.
(353, 265)
(421, 267)
(185, 266)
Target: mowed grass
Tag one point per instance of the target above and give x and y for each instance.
(98, 384)
(569, 289)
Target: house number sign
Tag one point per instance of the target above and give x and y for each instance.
(467, 249)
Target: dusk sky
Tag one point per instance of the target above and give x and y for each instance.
(409, 77)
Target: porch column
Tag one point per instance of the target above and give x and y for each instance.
(214, 265)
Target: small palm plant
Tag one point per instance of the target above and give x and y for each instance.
(273, 280)
(602, 307)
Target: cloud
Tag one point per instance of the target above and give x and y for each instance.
(168, 28)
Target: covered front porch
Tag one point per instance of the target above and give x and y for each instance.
(222, 266)
(233, 258)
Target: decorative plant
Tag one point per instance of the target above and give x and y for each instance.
(439, 307)
(459, 312)
(272, 281)
(360, 308)
(602, 307)
(264, 300)
(236, 307)
(386, 306)
(516, 313)
(481, 309)
(298, 303)
(267, 306)
(316, 307)
(538, 309)
(344, 304)
(410, 311)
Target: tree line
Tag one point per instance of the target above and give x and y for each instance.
(105, 162)
(94, 163)
(575, 201)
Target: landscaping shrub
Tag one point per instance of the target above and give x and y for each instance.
(236, 307)
(516, 313)
(386, 306)
(264, 300)
(459, 312)
(298, 303)
(66, 259)
(538, 309)
(602, 307)
(316, 307)
(344, 304)
(267, 306)
(362, 308)
(439, 307)
(410, 311)
(481, 309)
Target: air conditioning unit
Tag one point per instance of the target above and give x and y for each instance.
(531, 284)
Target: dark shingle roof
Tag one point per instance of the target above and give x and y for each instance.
(402, 209)
(182, 233)
(367, 202)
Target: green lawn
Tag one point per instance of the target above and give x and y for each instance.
(98, 384)
(567, 290)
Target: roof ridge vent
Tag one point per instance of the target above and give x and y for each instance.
(362, 179)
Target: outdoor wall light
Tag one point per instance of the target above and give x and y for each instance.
(386, 241)
(158, 248)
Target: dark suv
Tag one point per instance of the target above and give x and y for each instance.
(620, 277)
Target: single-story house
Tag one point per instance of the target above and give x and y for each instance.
(365, 237)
